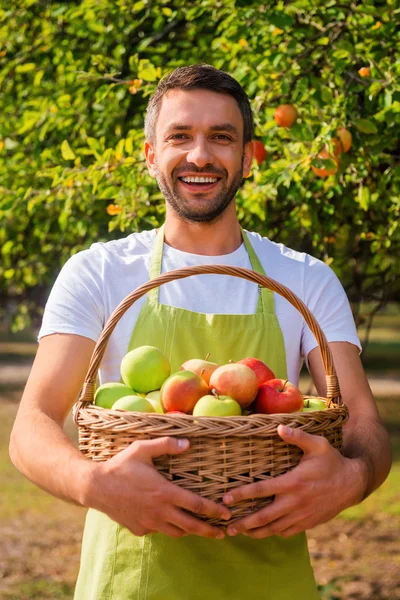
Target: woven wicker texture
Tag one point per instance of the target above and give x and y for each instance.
(224, 452)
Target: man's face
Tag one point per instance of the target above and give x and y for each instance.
(198, 159)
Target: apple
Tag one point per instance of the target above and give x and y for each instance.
(325, 154)
(182, 390)
(135, 403)
(108, 393)
(259, 151)
(364, 72)
(312, 404)
(175, 412)
(214, 405)
(145, 369)
(345, 138)
(278, 396)
(204, 368)
(236, 381)
(285, 115)
(261, 370)
(154, 399)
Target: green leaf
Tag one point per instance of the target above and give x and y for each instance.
(147, 71)
(25, 68)
(66, 151)
(363, 197)
(366, 126)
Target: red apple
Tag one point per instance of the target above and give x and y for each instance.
(182, 390)
(259, 151)
(175, 412)
(263, 372)
(204, 368)
(237, 381)
(278, 396)
(285, 115)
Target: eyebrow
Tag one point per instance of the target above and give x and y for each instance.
(222, 127)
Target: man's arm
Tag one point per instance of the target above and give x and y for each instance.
(325, 482)
(364, 436)
(127, 487)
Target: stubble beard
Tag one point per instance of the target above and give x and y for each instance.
(209, 209)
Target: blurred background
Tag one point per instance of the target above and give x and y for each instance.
(75, 79)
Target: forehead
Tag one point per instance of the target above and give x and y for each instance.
(198, 109)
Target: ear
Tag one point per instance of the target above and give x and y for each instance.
(150, 158)
(248, 159)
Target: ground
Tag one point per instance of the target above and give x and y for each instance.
(356, 556)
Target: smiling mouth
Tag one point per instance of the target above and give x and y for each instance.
(199, 183)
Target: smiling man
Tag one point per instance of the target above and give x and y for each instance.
(140, 540)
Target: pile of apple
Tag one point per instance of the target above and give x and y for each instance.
(200, 388)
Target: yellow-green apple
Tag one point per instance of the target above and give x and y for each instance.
(345, 137)
(259, 151)
(182, 390)
(278, 396)
(285, 115)
(312, 404)
(136, 403)
(204, 368)
(237, 381)
(155, 399)
(145, 369)
(108, 393)
(260, 369)
(214, 405)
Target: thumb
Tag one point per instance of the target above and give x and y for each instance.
(160, 446)
(306, 441)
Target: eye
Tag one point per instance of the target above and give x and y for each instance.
(223, 137)
(178, 136)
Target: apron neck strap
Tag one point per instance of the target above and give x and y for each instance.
(265, 300)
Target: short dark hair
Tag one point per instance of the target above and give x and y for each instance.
(201, 76)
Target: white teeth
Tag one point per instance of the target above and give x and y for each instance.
(199, 179)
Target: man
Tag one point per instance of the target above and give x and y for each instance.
(140, 540)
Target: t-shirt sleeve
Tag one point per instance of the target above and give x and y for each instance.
(325, 297)
(76, 302)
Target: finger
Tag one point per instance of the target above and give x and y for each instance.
(316, 444)
(196, 504)
(261, 489)
(171, 530)
(194, 526)
(277, 509)
(150, 449)
(275, 528)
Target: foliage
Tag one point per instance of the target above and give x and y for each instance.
(75, 78)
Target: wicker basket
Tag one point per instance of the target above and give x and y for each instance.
(224, 452)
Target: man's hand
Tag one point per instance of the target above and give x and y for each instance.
(130, 490)
(323, 484)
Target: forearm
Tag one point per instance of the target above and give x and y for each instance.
(42, 452)
(369, 443)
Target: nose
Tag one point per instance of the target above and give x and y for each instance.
(200, 153)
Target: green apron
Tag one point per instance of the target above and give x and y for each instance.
(115, 564)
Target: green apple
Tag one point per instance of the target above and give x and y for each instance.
(312, 404)
(136, 403)
(145, 369)
(155, 399)
(107, 394)
(221, 406)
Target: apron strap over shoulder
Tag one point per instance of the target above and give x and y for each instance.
(265, 300)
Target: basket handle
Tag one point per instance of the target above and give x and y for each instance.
(332, 383)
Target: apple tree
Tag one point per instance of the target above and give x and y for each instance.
(75, 78)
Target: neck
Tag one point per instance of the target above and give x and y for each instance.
(209, 239)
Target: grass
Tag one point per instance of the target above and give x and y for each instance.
(40, 589)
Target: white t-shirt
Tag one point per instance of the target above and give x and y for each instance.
(93, 282)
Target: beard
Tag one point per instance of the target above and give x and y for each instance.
(198, 209)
